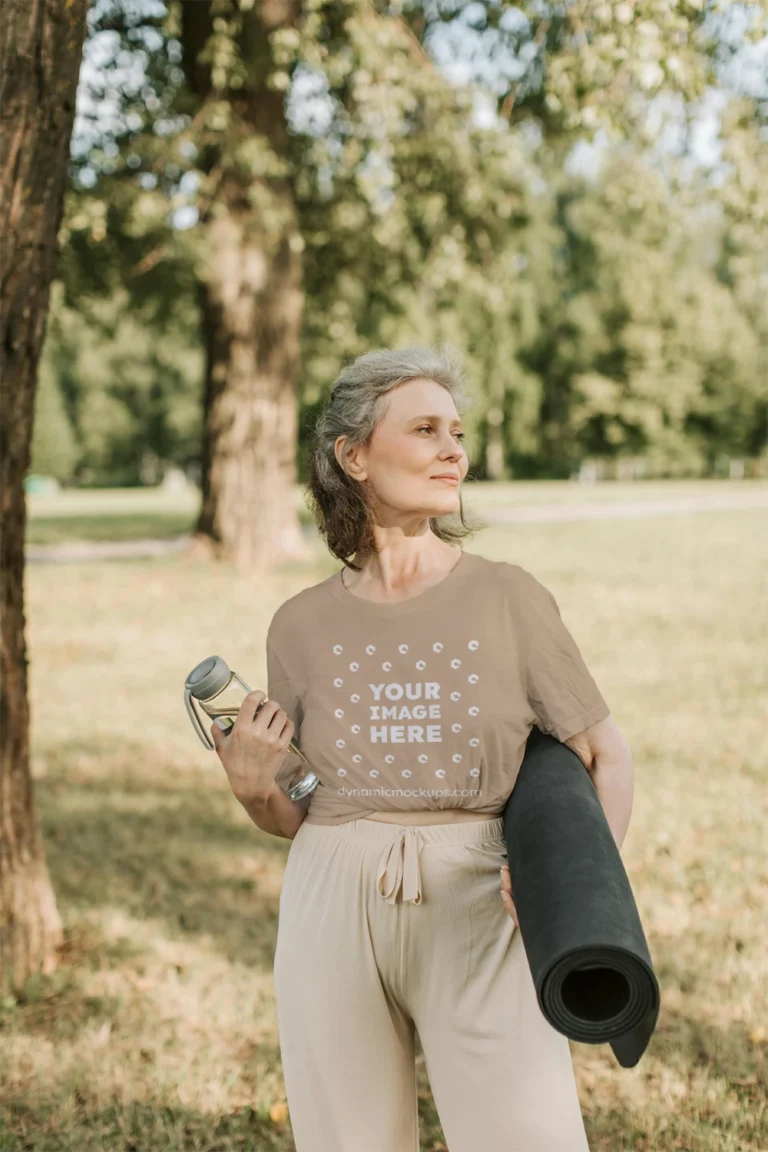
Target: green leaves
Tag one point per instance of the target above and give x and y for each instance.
(624, 312)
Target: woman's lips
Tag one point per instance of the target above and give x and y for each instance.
(447, 479)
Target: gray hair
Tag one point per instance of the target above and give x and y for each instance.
(342, 512)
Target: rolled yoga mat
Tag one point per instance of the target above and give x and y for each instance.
(575, 909)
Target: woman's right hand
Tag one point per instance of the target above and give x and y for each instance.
(253, 750)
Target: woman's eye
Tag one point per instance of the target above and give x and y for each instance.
(458, 435)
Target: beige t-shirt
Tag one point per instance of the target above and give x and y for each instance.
(426, 704)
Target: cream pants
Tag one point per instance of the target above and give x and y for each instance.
(389, 929)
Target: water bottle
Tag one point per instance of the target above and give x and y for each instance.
(211, 690)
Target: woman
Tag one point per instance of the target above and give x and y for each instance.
(412, 678)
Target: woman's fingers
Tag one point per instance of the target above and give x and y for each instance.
(506, 892)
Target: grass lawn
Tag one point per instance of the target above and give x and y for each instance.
(158, 1031)
(152, 513)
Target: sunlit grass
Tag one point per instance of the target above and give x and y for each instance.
(158, 1031)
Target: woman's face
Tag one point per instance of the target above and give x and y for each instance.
(418, 438)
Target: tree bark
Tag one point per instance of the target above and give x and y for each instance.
(40, 53)
(251, 309)
(251, 300)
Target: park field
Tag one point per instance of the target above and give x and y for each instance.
(126, 514)
(157, 1032)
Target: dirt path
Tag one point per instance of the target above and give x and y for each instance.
(670, 506)
(665, 506)
(104, 550)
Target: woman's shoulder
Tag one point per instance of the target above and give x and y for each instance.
(302, 607)
(527, 596)
(506, 572)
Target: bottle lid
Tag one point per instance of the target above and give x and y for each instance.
(208, 678)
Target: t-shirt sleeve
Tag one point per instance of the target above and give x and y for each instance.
(284, 688)
(561, 689)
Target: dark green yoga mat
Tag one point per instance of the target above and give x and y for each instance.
(575, 909)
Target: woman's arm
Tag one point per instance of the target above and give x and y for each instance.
(604, 751)
(276, 813)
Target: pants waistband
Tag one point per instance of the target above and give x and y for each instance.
(398, 868)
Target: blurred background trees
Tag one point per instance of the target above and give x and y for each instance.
(568, 191)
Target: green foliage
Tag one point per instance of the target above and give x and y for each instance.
(657, 356)
(54, 450)
(623, 315)
(122, 388)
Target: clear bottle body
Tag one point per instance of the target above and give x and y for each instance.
(294, 776)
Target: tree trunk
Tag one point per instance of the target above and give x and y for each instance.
(40, 53)
(251, 305)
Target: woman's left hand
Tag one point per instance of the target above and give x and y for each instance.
(506, 892)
